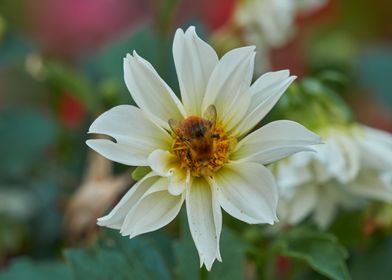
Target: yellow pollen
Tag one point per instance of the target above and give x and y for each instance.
(202, 146)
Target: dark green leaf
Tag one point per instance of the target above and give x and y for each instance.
(321, 251)
(374, 263)
(117, 257)
(187, 259)
(233, 258)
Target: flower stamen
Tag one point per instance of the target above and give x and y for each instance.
(200, 144)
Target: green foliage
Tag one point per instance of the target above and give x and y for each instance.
(374, 71)
(373, 264)
(117, 257)
(321, 251)
(25, 136)
(315, 103)
(66, 79)
(232, 252)
(27, 269)
(13, 49)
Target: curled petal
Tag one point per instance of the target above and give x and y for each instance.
(166, 164)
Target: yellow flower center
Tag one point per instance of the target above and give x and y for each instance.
(201, 145)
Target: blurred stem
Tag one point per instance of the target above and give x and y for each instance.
(203, 273)
(165, 14)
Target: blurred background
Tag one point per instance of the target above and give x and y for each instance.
(61, 67)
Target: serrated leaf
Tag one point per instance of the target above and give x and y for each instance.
(140, 172)
(25, 268)
(321, 251)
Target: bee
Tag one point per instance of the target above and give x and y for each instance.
(197, 134)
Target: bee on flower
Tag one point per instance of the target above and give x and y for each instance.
(203, 150)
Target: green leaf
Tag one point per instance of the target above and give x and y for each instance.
(187, 260)
(233, 258)
(62, 78)
(321, 251)
(140, 172)
(117, 257)
(27, 269)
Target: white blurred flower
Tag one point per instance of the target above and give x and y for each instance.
(270, 23)
(354, 165)
(199, 148)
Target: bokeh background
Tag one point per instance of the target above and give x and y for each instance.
(61, 66)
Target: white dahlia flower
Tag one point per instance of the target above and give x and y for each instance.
(353, 166)
(199, 149)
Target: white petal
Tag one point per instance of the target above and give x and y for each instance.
(166, 164)
(115, 218)
(376, 148)
(371, 185)
(327, 204)
(228, 86)
(194, 60)
(342, 157)
(179, 181)
(248, 192)
(275, 141)
(265, 93)
(290, 173)
(202, 218)
(162, 162)
(154, 210)
(150, 92)
(136, 136)
(301, 204)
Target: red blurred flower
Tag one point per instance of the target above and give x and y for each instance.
(216, 13)
(213, 14)
(283, 266)
(71, 111)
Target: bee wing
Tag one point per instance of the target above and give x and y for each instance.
(175, 126)
(210, 114)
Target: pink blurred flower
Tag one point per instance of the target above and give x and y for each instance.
(72, 27)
